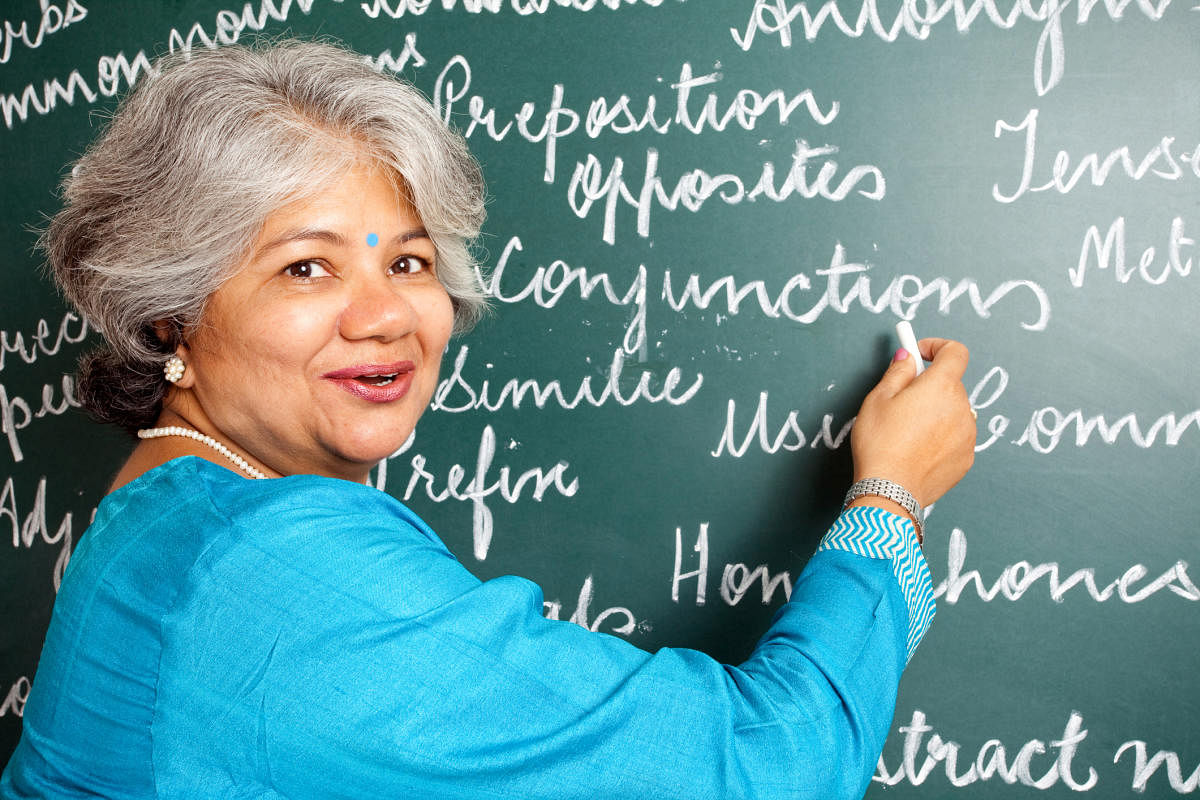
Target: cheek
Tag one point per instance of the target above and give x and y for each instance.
(267, 340)
(293, 332)
(438, 322)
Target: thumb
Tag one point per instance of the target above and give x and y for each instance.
(899, 374)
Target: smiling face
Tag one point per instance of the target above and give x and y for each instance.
(319, 355)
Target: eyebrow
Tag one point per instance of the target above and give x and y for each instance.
(332, 237)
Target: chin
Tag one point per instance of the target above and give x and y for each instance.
(365, 452)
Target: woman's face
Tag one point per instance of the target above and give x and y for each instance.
(319, 355)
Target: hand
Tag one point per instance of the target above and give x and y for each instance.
(918, 431)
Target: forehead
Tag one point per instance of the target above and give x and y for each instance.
(350, 207)
(366, 187)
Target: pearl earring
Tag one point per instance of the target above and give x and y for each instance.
(173, 369)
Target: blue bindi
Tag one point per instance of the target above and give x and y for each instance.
(372, 239)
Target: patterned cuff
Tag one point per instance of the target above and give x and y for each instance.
(874, 533)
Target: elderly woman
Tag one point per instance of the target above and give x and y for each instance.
(275, 243)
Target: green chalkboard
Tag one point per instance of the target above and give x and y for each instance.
(705, 218)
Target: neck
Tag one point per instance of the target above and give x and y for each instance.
(208, 441)
(154, 452)
(182, 408)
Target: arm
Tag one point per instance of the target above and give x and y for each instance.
(374, 665)
(393, 672)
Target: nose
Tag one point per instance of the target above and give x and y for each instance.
(377, 308)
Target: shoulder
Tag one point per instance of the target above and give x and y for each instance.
(189, 487)
(308, 533)
(301, 502)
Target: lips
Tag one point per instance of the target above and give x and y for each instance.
(375, 383)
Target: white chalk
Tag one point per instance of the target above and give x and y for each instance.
(908, 340)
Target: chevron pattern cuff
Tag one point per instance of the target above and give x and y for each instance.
(874, 533)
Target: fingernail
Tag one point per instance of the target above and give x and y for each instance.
(901, 354)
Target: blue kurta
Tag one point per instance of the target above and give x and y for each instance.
(309, 637)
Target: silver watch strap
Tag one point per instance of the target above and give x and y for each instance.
(880, 487)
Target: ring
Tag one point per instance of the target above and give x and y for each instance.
(974, 413)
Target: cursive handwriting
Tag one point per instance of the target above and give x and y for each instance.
(14, 700)
(991, 760)
(903, 295)
(1050, 427)
(590, 183)
(477, 490)
(228, 24)
(1144, 767)
(410, 54)
(552, 609)
(840, 288)
(619, 116)
(789, 435)
(29, 529)
(549, 283)
(916, 18)
(114, 71)
(1110, 252)
(16, 413)
(398, 8)
(1158, 161)
(1015, 580)
(737, 579)
(456, 394)
(111, 72)
(71, 329)
(52, 20)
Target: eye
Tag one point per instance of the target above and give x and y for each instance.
(410, 264)
(305, 269)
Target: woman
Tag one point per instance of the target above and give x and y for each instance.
(275, 244)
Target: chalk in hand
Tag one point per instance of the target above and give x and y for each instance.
(908, 340)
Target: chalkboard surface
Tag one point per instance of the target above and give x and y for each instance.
(705, 218)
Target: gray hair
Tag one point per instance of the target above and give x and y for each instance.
(163, 207)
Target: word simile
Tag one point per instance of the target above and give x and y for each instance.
(456, 393)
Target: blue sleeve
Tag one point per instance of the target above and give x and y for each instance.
(386, 670)
(874, 533)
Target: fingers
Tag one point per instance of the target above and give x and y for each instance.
(918, 431)
(947, 357)
(899, 374)
(948, 360)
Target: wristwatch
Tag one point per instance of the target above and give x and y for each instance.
(880, 487)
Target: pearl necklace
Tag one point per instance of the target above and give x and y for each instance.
(188, 433)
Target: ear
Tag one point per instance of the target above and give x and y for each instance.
(188, 380)
(166, 331)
